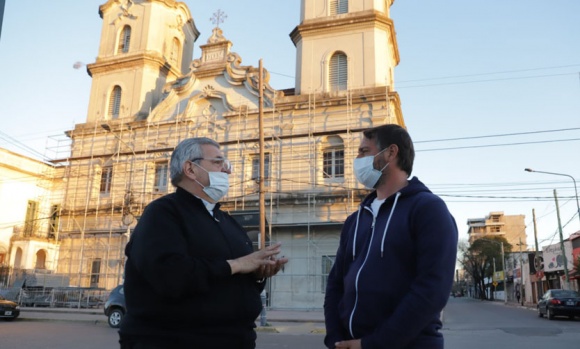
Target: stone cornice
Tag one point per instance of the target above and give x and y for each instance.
(169, 3)
(119, 62)
(366, 19)
(110, 3)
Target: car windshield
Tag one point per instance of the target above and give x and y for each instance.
(565, 293)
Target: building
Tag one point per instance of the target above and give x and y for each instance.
(148, 93)
(510, 227)
(30, 198)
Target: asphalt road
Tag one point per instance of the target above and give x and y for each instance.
(467, 324)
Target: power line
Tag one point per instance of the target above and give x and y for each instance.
(491, 73)
(498, 135)
(489, 80)
(501, 145)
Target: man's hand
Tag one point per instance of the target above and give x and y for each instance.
(254, 261)
(351, 344)
(269, 270)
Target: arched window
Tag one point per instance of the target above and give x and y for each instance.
(18, 258)
(333, 158)
(115, 102)
(338, 72)
(3, 255)
(40, 260)
(175, 49)
(124, 40)
(338, 7)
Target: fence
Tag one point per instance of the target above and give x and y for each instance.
(65, 297)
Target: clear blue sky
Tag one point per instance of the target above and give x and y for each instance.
(502, 75)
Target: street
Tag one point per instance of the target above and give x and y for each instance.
(468, 323)
(475, 324)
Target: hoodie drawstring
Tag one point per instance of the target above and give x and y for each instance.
(355, 231)
(388, 221)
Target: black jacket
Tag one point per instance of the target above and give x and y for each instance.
(178, 283)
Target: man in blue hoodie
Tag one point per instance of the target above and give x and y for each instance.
(396, 259)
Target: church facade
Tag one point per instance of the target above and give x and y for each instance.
(148, 93)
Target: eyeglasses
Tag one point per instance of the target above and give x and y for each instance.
(221, 162)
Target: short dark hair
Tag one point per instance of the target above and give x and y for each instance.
(386, 135)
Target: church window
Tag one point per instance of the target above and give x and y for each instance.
(256, 168)
(338, 71)
(161, 172)
(333, 158)
(106, 179)
(124, 40)
(31, 218)
(115, 102)
(54, 219)
(174, 55)
(338, 7)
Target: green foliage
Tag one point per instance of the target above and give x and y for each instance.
(478, 258)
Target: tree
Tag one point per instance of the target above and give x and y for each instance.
(477, 259)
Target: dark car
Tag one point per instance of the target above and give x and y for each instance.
(559, 302)
(8, 309)
(115, 308)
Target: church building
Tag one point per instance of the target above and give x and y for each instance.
(148, 93)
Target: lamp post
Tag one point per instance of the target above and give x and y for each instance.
(558, 214)
(565, 175)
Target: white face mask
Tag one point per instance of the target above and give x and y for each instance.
(365, 172)
(219, 184)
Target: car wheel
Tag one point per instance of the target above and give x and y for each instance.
(115, 318)
(549, 314)
(540, 313)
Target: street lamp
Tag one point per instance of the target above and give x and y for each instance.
(565, 175)
(558, 215)
(107, 128)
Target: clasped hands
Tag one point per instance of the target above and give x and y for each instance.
(262, 263)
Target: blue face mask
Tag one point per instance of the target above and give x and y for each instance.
(365, 172)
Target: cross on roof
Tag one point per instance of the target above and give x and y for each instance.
(218, 17)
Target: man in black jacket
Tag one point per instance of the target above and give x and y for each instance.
(192, 279)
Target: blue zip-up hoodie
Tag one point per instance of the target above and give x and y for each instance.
(393, 275)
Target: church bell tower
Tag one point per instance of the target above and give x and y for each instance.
(344, 44)
(144, 44)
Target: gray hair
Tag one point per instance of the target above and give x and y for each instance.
(187, 150)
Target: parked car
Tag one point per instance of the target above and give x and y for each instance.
(115, 308)
(559, 302)
(8, 309)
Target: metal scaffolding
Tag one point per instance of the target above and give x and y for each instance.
(116, 168)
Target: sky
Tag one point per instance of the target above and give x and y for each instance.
(487, 89)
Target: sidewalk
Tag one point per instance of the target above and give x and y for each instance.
(277, 321)
(526, 305)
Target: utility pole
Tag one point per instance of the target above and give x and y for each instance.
(523, 285)
(262, 201)
(262, 204)
(504, 274)
(538, 280)
(562, 242)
